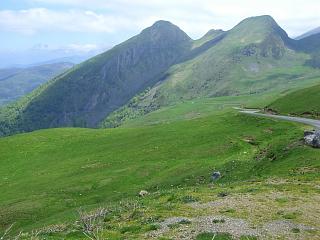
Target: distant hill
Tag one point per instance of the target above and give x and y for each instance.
(309, 33)
(304, 102)
(163, 66)
(17, 82)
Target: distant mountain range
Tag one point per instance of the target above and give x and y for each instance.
(39, 55)
(17, 82)
(309, 33)
(163, 66)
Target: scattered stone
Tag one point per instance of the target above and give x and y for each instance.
(222, 194)
(215, 176)
(312, 138)
(308, 133)
(143, 193)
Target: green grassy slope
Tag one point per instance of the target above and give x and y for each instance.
(48, 174)
(17, 82)
(304, 102)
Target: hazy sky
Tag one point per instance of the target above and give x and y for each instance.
(89, 24)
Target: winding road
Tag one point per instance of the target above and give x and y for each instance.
(307, 121)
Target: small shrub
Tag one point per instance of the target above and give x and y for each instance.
(292, 215)
(252, 190)
(218, 221)
(136, 214)
(228, 210)
(172, 198)
(189, 199)
(173, 225)
(152, 227)
(223, 194)
(130, 229)
(152, 219)
(282, 200)
(295, 230)
(215, 236)
(185, 221)
(248, 238)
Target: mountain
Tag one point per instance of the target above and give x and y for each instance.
(87, 93)
(309, 33)
(162, 66)
(253, 57)
(42, 54)
(17, 82)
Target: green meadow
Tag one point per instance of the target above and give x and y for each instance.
(47, 175)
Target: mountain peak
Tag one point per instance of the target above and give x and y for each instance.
(259, 27)
(162, 23)
(165, 31)
(263, 20)
(213, 32)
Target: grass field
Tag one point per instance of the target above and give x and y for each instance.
(47, 175)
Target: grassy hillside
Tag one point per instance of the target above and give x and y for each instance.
(304, 102)
(48, 174)
(17, 82)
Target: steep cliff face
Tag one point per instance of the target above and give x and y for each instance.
(87, 93)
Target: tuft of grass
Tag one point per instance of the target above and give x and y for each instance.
(218, 221)
(228, 210)
(189, 199)
(295, 230)
(215, 236)
(152, 227)
(282, 200)
(223, 194)
(289, 215)
(248, 238)
(131, 229)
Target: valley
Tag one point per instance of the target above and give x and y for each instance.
(17, 82)
(125, 144)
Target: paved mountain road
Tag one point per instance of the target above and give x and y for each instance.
(307, 121)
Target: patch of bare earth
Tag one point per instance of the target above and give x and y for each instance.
(272, 214)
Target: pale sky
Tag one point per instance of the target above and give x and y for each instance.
(89, 24)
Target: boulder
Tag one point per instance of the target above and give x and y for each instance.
(215, 176)
(143, 193)
(307, 132)
(312, 139)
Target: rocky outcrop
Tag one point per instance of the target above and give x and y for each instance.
(312, 138)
